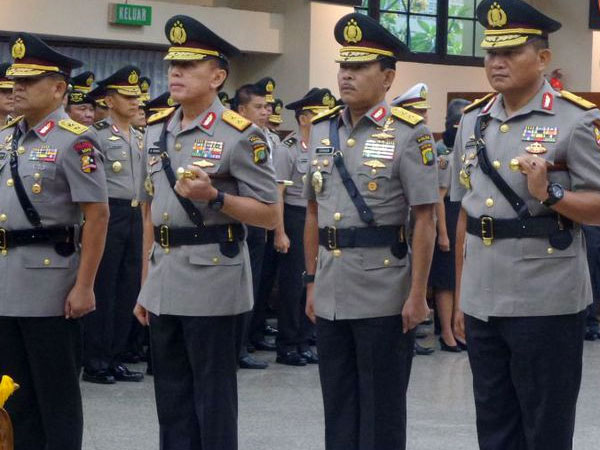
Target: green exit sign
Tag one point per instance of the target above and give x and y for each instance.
(126, 14)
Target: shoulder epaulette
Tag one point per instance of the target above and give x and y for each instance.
(406, 116)
(577, 100)
(235, 120)
(290, 140)
(101, 125)
(11, 123)
(160, 116)
(328, 114)
(479, 102)
(72, 126)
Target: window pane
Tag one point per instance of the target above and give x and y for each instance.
(423, 34)
(395, 23)
(461, 8)
(394, 5)
(460, 37)
(423, 6)
(478, 38)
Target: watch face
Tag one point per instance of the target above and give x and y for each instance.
(557, 191)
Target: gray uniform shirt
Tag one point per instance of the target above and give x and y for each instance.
(444, 160)
(198, 280)
(122, 159)
(291, 160)
(392, 174)
(59, 168)
(526, 277)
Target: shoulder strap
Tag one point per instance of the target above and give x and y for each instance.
(193, 213)
(517, 203)
(30, 212)
(365, 213)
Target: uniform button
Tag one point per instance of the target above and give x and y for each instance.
(123, 154)
(315, 162)
(514, 165)
(4, 252)
(215, 260)
(167, 251)
(471, 155)
(489, 202)
(177, 145)
(46, 262)
(36, 188)
(351, 142)
(21, 150)
(117, 167)
(372, 186)
(550, 250)
(10, 182)
(504, 128)
(337, 216)
(386, 262)
(373, 172)
(36, 176)
(3, 217)
(165, 217)
(337, 253)
(325, 163)
(496, 164)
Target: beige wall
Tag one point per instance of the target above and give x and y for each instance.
(250, 31)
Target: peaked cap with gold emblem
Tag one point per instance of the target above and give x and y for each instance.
(277, 108)
(266, 86)
(192, 41)
(125, 81)
(315, 100)
(415, 97)
(511, 23)
(83, 81)
(76, 97)
(33, 57)
(160, 103)
(145, 84)
(363, 39)
(5, 83)
(98, 94)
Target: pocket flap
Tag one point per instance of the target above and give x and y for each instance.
(537, 248)
(210, 255)
(381, 258)
(48, 259)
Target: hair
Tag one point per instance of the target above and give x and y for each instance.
(224, 65)
(387, 63)
(454, 111)
(244, 95)
(300, 112)
(540, 43)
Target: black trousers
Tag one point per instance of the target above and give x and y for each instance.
(364, 367)
(592, 240)
(256, 247)
(117, 285)
(295, 329)
(43, 355)
(526, 378)
(195, 381)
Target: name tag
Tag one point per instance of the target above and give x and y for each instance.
(154, 151)
(324, 150)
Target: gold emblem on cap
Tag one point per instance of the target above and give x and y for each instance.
(76, 97)
(326, 99)
(170, 101)
(278, 109)
(133, 77)
(270, 86)
(496, 16)
(89, 81)
(18, 49)
(177, 35)
(144, 86)
(352, 32)
(423, 93)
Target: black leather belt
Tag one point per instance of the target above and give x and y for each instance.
(488, 228)
(216, 234)
(122, 202)
(333, 238)
(55, 235)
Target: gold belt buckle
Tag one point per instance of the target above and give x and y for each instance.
(164, 236)
(3, 243)
(331, 238)
(487, 230)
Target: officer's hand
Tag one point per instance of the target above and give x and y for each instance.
(310, 302)
(198, 188)
(281, 242)
(414, 312)
(443, 242)
(458, 325)
(141, 314)
(80, 301)
(536, 170)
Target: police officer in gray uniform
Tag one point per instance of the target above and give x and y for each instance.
(199, 271)
(369, 163)
(526, 169)
(50, 178)
(119, 276)
(6, 95)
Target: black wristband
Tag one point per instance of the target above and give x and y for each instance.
(218, 203)
(307, 279)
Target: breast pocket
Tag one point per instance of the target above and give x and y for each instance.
(117, 152)
(302, 165)
(37, 177)
(374, 183)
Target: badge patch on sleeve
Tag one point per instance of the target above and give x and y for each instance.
(86, 154)
(427, 154)
(207, 149)
(597, 135)
(43, 154)
(260, 153)
(423, 138)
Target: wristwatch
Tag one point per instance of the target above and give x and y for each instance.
(218, 203)
(555, 194)
(307, 279)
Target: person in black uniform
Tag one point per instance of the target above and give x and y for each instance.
(592, 239)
